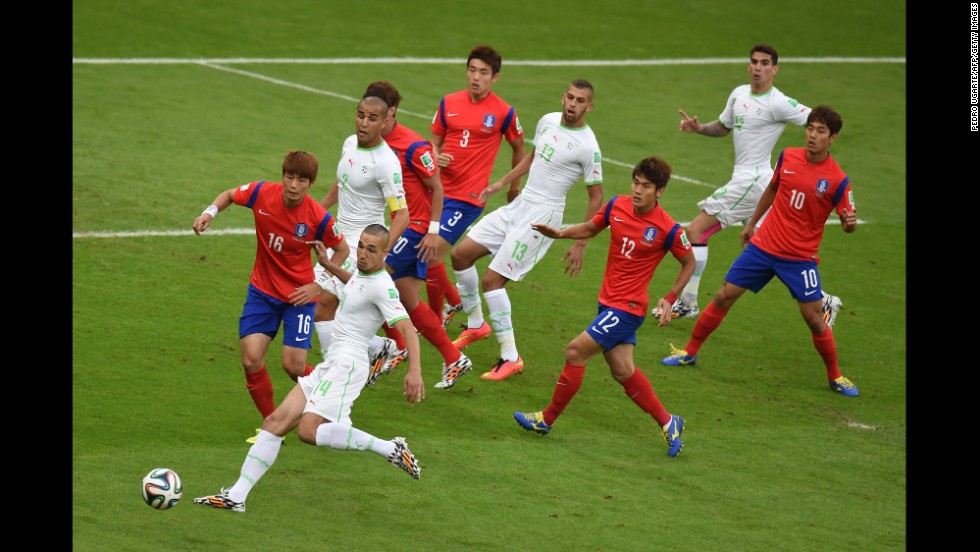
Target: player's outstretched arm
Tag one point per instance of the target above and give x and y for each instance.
(691, 124)
(203, 221)
(584, 230)
(413, 384)
(576, 253)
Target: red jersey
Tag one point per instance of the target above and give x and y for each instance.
(637, 244)
(283, 260)
(472, 132)
(415, 155)
(807, 194)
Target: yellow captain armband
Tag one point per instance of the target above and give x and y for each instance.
(396, 203)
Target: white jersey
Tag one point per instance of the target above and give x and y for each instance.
(563, 156)
(366, 302)
(367, 179)
(758, 120)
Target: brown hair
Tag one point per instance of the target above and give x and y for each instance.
(487, 55)
(766, 49)
(655, 170)
(301, 163)
(384, 90)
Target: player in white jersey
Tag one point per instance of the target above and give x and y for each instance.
(757, 113)
(369, 176)
(320, 403)
(565, 151)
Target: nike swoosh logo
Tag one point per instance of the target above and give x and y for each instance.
(617, 219)
(304, 339)
(261, 212)
(451, 114)
(809, 293)
(789, 171)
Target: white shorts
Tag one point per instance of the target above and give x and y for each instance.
(506, 232)
(735, 202)
(334, 385)
(329, 282)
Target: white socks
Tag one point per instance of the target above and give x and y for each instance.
(498, 303)
(344, 437)
(259, 459)
(468, 284)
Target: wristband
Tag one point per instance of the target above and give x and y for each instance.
(671, 298)
(211, 210)
(433, 226)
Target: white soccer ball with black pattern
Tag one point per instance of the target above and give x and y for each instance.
(162, 488)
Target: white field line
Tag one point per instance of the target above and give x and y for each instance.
(215, 63)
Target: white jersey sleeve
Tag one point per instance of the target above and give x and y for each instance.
(562, 157)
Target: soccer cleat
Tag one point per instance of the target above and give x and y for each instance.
(394, 359)
(253, 437)
(452, 372)
(403, 458)
(679, 357)
(221, 501)
(379, 359)
(672, 434)
(470, 335)
(532, 421)
(844, 386)
(503, 369)
(830, 304)
(449, 312)
(679, 310)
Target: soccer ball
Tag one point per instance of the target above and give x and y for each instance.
(162, 488)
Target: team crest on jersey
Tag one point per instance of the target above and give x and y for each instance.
(301, 230)
(392, 294)
(649, 235)
(489, 121)
(822, 186)
(364, 169)
(427, 161)
(396, 178)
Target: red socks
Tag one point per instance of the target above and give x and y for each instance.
(827, 347)
(260, 387)
(430, 326)
(708, 321)
(638, 388)
(568, 384)
(438, 288)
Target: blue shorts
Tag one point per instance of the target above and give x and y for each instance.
(754, 268)
(403, 257)
(457, 216)
(263, 313)
(613, 326)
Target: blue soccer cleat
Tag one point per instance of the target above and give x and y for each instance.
(844, 386)
(679, 357)
(672, 434)
(532, 421)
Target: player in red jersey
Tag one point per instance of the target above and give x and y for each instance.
(806, 187)
(281, 289)
(641, 234)
(467, 130)
(408, 260)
